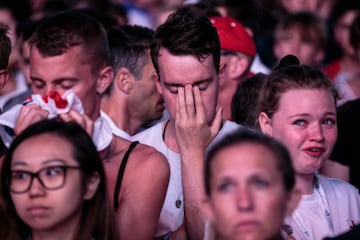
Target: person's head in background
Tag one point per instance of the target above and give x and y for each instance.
(8, 18)
(249, 185)
(187, 44)
(70, 51)
(200, 8)
(5, 50)
(245, 101)
(303, 35)
(53, 182)
(237, 54)
(355, 35)
(42, 9)
(319, 7)
(133, 87)
(297, 106)
(343, 15)
(247, 12)
(24, 31)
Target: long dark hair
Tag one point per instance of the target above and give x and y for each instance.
(96, 220)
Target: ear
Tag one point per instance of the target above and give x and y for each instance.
(221, 74)
(157, 82)
(92, 186)
(293, 200)
(124, 80)
(4, 77)
(238, 66)
(104, 79)
(265, 123)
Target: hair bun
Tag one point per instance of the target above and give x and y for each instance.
(286, 61)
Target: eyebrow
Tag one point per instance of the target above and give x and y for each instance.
(307, 115)
(46, 162)
(192, 84)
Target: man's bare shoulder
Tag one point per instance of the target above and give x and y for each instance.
(143, 155)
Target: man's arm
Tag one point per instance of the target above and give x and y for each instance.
(142, 193)
(193, 135)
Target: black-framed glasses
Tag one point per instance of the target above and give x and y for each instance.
(51, 178)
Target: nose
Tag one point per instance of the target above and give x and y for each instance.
(36, 188)
(316, 133)
(244, 199)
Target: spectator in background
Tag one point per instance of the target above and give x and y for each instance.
(7, 223)
(344, 163)
(248, 13)
(343, 15)
(244, 103)
(133, 88)
(349, 88)
(16, 83)
(237, 53)
(24, 31)
(5, 51)
(302, 34)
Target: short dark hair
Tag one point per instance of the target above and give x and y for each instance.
(68, 29)
(185, 34)
(129, 48)
(245, 100)
(5, 46)
(94, 222)
(244, 135)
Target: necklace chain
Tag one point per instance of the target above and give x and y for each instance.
(178, 201)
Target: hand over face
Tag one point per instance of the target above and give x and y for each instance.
(192, 128)
(84, 121)
(29, 114)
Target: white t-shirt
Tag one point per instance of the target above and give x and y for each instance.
(171, 216)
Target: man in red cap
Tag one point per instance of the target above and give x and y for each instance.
(237, 53)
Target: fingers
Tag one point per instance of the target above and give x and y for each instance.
(189, 103)
(217, 122)
(29, 115)
(189, 100)
(84, 121)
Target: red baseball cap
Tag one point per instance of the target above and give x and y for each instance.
(233, 36)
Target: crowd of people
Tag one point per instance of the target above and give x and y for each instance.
(179, 120)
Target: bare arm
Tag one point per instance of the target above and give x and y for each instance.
(335, 170)
(193, 135)
(142, 194)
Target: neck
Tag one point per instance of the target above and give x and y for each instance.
(120, 115)
(168, 134)
(305, 182)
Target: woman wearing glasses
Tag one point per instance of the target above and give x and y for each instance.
(53, 182)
